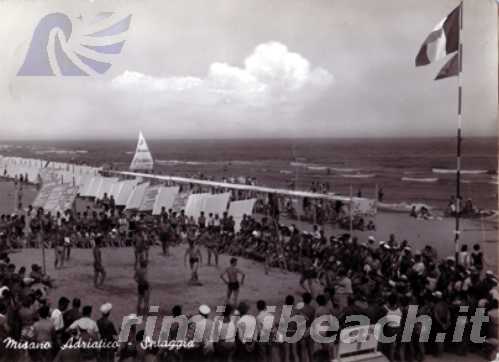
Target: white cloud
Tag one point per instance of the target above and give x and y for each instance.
(271, 75)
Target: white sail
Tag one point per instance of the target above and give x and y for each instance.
(142, 160)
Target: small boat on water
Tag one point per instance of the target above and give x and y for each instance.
(142, 160)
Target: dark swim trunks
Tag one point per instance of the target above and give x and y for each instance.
(143, 287)
(310, 274)
(192, 261)
(233, 286)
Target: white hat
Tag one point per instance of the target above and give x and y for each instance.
(106, 308)
(131, 317)
(28, 281)
(482, 303)
(300, 305)
(437, 294)
(490, 273)
(204, 309)
(371, 238)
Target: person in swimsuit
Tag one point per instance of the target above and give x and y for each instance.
(231, 277)
(59, 250)
(98, 267)
(143, 289)
(212, 247)
(140, 248)
(193, 253)
(308, 275)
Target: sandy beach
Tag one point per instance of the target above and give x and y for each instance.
(168, 278)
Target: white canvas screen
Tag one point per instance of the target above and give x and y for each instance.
(239, 208)
(125, 192)
(166, 198)
(136, 197)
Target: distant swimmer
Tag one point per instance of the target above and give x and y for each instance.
(193, 253)
(231, 278)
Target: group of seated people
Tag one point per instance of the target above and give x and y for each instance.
(467, 208)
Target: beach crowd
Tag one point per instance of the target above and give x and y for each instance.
(340, 275)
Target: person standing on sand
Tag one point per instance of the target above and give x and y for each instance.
(164, 237)
(212, 247)
(98, 267)
(195, 259)
(142, 287)
(59, 250)
(140, 248)
(308, 275)
(232, 280)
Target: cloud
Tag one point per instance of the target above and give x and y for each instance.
(272, 75)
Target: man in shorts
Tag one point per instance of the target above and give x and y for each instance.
(230, 276)
(143, 289)
(193, 253)
(308, 275)
(99, 272)
(212, 247)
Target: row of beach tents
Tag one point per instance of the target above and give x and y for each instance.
(60, 184)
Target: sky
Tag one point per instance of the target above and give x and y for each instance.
(259, 68)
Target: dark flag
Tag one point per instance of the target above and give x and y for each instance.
(450, 69)
(443, 40)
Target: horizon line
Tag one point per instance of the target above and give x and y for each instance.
(100, 139)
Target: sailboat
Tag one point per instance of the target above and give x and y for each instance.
(142, 160)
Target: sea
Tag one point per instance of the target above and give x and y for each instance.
(408, 170)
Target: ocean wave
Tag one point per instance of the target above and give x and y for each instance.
(463, 172)
(344, 169)
(62, 152)
(179, 162)
(402, 206)
(197, 163)
(420, 179)
(317, 168)
(300, 164)
(360, 175)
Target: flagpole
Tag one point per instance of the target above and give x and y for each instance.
(459, 137)
(350, 213)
